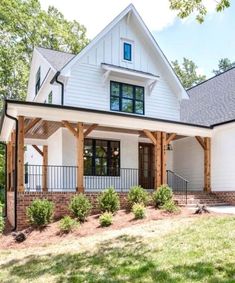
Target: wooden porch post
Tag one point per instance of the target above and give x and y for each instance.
(12, 160)
(207, 164)
(163, 155)
(80, 161)
(158, 160)
(20, 163)
(44, 168)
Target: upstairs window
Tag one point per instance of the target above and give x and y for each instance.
(127, 51)
(50, 96)
(126, 98)
(38, 80)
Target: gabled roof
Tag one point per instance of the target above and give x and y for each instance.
(211, 102)
(131, 11)
(57, 59)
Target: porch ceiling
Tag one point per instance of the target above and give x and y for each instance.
(119, 121)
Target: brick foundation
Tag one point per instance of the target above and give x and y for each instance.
(227, 197)
(60, 200)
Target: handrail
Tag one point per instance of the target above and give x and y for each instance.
(177, 183)
(178, 175)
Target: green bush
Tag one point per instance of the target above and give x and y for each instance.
(40, 212)
(2, 223)
(137, 195)
(162, 195)
(139, 210)
(170, 207)
(67, 224)
(109, 200)
(106, 219)
(80, 206)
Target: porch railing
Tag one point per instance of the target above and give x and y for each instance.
(178, 184)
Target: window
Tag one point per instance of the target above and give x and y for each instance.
(50, 98)
(126, 98)
(127, 52)
(38, 78)
(101, 157)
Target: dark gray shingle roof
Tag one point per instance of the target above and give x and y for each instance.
(56, 58)
(212, 101)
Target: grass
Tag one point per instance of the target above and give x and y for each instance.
(194, 250)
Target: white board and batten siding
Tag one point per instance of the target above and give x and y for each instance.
(85, 87)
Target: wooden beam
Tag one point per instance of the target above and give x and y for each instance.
(89, 130)
(70, 128)
(163, 155)
(37, 149)
(8, 165)
(31, 124)
(207, 165)
(12, 160)
(157, 160)
(80, 161)
(201, 141)
(150, 136)
(170, 138)
(20, 163)
(44, 168)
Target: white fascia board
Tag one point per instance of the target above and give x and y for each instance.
(107, 119)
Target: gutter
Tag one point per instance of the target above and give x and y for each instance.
(55, 79)
(16, 159)
(5, 181)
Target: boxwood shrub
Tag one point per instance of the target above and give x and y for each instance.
(108, 200)
(80, 206)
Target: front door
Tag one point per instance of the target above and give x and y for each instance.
(146, 165)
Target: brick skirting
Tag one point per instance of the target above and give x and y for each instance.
(60, 199)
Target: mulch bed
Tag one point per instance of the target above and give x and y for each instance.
(51, 234)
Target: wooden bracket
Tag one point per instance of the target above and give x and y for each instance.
(90, 129)
(37, 149)
(150, 136)
(70, 128)
(201, 142)
(170, 138)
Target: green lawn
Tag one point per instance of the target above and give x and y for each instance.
(196, 250)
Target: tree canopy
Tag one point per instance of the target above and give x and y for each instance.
(24, 25)
(188, 7)
(224, 64)
(187, 73)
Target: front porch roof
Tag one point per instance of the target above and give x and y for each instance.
(122, 121)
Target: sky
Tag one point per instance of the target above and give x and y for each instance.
(203, 43)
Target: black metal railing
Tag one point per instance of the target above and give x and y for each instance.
(177, 183)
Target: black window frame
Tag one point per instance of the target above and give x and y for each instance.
(127, 44)
(132, 99)
(38, 81)
(110, 173)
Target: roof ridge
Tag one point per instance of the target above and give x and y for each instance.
(47, 48)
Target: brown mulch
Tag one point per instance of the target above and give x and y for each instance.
(51, 234)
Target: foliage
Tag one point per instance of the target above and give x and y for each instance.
(162, 195)
(80, 206)
(2, 223)
(109, 200)
(40, 212)
(137, 195)
(170, 206)
(24, 25)
(187, 7)
(224, 64)
(187, 73)
(139, 210)
(106, 219)
(67, 224)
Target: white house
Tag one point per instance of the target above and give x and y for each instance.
(112, 115)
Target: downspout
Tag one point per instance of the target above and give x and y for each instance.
(5, 169)
(16, 159)
(55, 78)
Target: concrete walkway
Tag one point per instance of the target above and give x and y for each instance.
(222, 209)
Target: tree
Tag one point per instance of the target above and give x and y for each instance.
(24, 25)
(187, 73)
(224, 64)
(187, 7)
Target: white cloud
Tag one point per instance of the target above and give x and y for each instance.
(95, 15)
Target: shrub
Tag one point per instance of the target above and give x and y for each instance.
(80, 206)
(67, 224)
(109, 201)
(137, 195)
(40, 212)
(170, 207)
(2, 224)
(162, 195)
(139, 210)
(106, 219)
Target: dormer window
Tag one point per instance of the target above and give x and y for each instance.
(38, 79)
(127, 51)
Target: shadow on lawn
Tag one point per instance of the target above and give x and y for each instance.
(125, 259)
